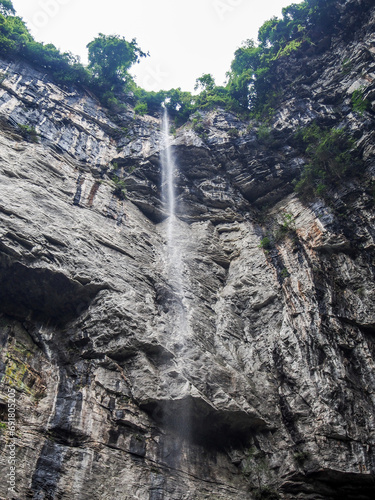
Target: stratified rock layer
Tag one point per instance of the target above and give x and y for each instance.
(270, 389)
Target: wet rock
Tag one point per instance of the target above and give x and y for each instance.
(269, 387)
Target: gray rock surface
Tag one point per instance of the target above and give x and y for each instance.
(270, 388)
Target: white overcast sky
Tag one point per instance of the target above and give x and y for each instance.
(185, 39)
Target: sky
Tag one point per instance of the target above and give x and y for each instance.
(185, 39)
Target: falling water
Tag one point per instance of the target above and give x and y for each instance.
(177, 322)
(168, 169)
(174, 265)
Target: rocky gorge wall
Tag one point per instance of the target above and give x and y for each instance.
(270, 393)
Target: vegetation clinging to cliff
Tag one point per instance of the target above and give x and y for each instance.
(251, 89)
(252, 77)
(110, 58)
(16, 41)
(330, 159)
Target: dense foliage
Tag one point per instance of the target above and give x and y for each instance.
(110, 57)
(6, 8)
(331, 158)
(252, 89)
(15, 40)
(252, 81)
(251, 86)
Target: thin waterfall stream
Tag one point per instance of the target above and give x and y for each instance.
(174, 264)
(177, 323)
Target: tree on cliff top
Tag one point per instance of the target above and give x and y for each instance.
(6, 8)
(110, 58)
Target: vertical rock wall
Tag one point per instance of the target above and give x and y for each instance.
(275, 375)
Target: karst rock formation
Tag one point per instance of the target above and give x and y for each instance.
(270, 390)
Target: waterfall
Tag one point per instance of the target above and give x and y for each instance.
(177, 324)
(174, 250)
(168, 169)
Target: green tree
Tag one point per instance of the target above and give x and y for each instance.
(253, 79)
(150, 100)
(179, 104)
(205, 82)
(243, 75)
(6, 8)
(14, 35)
(111, 56)
(267, 33)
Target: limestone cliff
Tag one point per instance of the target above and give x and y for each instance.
(271, 394)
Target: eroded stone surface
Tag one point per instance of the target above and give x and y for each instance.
(272, 383)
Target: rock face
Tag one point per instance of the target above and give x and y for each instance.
(269, 391)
